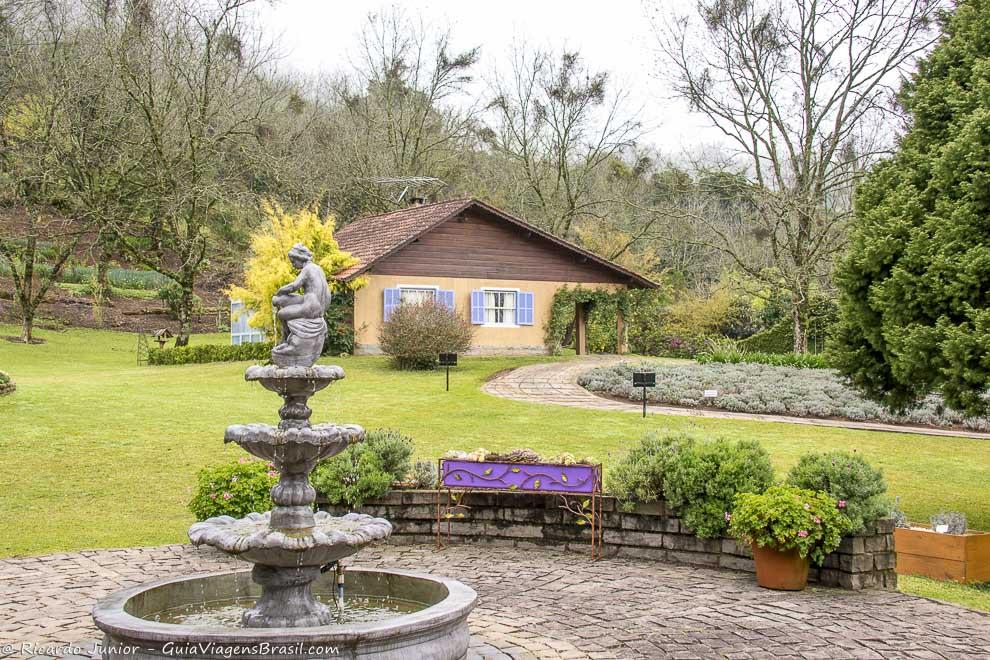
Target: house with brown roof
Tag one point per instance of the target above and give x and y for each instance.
(498, 270)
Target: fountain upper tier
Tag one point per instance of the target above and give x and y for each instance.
(295, 385)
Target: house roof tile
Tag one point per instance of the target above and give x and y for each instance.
(375, 237)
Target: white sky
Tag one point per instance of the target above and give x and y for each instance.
(612, 35)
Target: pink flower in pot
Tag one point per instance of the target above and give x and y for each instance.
(803, 533)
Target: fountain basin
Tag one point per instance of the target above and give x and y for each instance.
(437, 632)
(253, 539)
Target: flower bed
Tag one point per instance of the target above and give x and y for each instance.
(758, 388)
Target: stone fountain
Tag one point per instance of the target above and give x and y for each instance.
(288, 608)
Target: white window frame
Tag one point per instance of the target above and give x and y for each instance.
(418, 287)
(515, 310)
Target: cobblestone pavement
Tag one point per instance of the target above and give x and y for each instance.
(537, 603)
(556, 383)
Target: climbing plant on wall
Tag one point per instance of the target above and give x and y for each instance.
(601, 322)
(559, 330)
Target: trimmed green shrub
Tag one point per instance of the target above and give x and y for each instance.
(352, 477)
(737, 356)
(704, 478)
(365, 470)
(785, 518)
(394, 449)
(416, 334)
(859, 487)
(778, 338)
(698, 478)
(209, 353)
(6, 384)
(235, 489)
(638, 476)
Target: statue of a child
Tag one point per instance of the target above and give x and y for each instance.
(301, 314)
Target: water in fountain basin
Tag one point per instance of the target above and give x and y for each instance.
(227, 613)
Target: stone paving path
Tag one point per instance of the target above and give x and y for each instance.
(543, 604)
(556, 383)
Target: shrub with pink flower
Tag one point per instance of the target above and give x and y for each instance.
(786, 517)
(233, 489)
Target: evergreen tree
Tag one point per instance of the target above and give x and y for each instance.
(916, 280)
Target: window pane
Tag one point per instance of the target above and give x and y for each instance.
(500, 307)
(416, 296)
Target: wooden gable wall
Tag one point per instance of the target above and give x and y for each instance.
(477, 246)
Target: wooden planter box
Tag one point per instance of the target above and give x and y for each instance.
(961, 557)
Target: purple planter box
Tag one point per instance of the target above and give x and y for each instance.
(522, 477)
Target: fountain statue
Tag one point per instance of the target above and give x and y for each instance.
(291, 547)
(300, 316)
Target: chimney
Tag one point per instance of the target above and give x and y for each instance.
(417, 201)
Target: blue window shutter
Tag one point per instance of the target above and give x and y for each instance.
(446, 298)
(524, 310)
(392, 299)
(478, 307)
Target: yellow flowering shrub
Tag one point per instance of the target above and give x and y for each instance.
(268, 267)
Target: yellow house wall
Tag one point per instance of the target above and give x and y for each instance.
(369, 311)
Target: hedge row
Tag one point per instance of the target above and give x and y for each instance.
(799, 360)
(209, 353)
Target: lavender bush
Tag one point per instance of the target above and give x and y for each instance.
(760, 388)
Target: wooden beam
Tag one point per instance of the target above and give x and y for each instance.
(581, 328)
(621, 340)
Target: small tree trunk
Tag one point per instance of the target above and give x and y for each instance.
(27, 324)
(186, 305)
(103, 279)
(800, 331)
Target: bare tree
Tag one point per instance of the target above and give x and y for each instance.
(558, 124)
(401, 112)
(38, 88)
(190, 75)
(802, 92)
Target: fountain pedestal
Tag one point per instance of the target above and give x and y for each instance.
(289, 545)
(286, 599)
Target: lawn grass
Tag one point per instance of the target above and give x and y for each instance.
(974, 596)
(100, 452)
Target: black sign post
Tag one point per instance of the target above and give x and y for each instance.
(644, 379)
(448, 360)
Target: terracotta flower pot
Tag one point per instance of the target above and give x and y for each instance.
(784, 570)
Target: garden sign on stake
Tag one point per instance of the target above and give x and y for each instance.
(644, 379)
(448, 360)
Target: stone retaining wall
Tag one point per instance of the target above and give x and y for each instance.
(864, 561)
